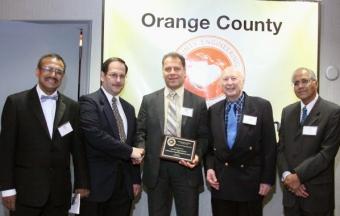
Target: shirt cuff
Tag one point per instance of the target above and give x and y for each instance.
(284, 175)
(7, 193)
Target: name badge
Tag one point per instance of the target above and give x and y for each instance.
(187, 111)
(309, 130)
(251, 120)
(65, 129)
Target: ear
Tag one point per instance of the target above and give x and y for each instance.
(102, 76)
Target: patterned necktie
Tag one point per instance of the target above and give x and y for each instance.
(44, 98)
(171, 121)
(304, 115)
(231, 126)
(119, 121)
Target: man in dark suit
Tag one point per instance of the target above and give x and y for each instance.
(39, 130)
(309, 140)
(241, 160)
(164, 178)
(109, 125)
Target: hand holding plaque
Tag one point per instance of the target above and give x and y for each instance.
(177, 149)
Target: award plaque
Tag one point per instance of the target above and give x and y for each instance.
(176, 148)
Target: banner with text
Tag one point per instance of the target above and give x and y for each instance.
(267, 40)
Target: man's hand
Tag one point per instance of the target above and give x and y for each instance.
(9, 202)
(292, 182)
(83, 192)
(137, 153)
(190, 164)
(264, 189)
(301, 191)
(137, 189)
(212, 180)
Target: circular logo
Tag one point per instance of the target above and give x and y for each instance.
(171, 141)
(206, 58)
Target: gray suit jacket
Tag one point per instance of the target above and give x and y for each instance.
(310, 156)
(150, 133)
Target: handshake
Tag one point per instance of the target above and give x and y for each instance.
(137, 155)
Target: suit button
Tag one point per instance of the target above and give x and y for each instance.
(214, 149)
(226, 164)
(250, 148)
(241, 165)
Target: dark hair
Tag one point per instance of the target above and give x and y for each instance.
(107, 62)
(174, 55)
(51, 55)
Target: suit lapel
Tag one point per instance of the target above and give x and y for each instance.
(129, 116)
(221, 123)
(250, 110)
(34, 102)
(59, 112)
(107, 109)
(160, 108)
(314, 114)
(187, 102)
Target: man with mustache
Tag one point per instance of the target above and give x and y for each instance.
(39, 131)
(309, 141)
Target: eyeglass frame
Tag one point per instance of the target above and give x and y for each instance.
(303, 82)
(50, 70)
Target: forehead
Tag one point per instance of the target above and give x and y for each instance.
(232, 73)
(116, 66)
(172, 61)
(51, 60)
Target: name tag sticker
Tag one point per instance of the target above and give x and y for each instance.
(187, 111)
(251, 120)
(309, 130)
(65, 129)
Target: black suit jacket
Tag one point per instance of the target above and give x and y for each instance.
(105, 152)
(251, 161)
(150, 134)
(33, 163)
(310, 156)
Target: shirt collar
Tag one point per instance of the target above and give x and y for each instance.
(310, 105)
(238, 102)
(109, 96)
(179, 91)
(41, 92)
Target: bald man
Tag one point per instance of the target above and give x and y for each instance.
(241, 161)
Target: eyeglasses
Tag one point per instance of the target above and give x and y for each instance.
(57, 71)
(303, 82)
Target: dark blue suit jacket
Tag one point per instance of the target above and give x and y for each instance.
(105, 152)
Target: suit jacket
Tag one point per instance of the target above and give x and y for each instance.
(105, 152)
(310, 156)
(33, 163)
(251, 161)
(150, 134)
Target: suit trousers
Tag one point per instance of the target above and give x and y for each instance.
(47, 210)
(297, 211)
(172, 182)
(234, 208)
(119, 204)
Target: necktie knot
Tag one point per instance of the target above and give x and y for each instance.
(44, 98)
(114, 100)
(172, 95)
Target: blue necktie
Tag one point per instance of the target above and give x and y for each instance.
(231, 126)
(44, 98)
(304, 115)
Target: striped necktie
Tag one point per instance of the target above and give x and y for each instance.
(119, 120)
(171, 121)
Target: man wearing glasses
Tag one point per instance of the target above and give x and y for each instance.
(309, 141)
(39, 131)
(109, 125)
